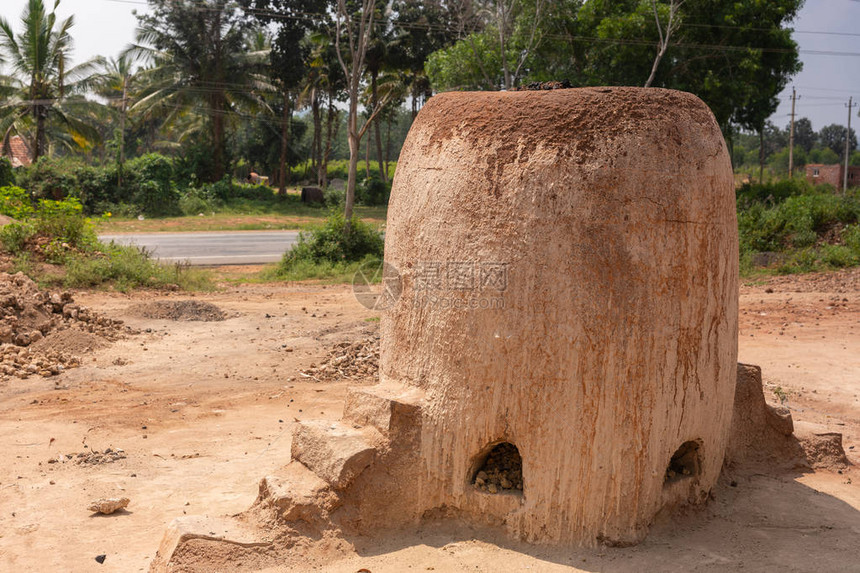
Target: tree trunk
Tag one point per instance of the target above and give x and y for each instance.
(316, 144)
(367, 157)
(503, 20)
(285, 141)
(354, 150)
(39, 147)
(375, 95)
(333, 116)
(387, 147)
(217, 138)
(123, 111)
(760, 156)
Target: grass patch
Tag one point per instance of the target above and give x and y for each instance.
(126, 268)
(307, 218)
(792, 227)
(57, 245)
(323, 271)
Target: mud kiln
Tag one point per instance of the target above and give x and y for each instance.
(561, 358)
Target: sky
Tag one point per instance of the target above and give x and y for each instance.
(105, 27)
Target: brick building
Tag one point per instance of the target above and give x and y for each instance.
(17, 150)
(818, 173)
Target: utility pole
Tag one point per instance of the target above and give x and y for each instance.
(847, 147)
(791, 137)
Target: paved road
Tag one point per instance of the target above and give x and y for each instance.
(221, 248)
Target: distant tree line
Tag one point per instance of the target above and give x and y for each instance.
(232, 86)
(826, 146)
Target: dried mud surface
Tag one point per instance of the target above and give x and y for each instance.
(202, 411)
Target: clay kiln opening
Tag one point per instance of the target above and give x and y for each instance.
(684, 463)
(499, 469)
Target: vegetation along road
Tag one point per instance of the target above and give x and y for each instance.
(223, 248)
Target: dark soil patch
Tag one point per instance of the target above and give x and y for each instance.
(187, 310)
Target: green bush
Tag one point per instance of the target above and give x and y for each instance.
(15, 236)
(100, 185)
(334, 197)
(773, 192)
(798, 220)
(373, 191)
(795, 222)
(851, 237)
(153, 187)
(15, 203)
(196, 201)
(7, 175)
(331, 245)
(50, 178)
(227, 190)
(838, 256)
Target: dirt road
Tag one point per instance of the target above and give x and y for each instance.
(203, 410)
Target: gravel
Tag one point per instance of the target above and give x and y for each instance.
(502, 471)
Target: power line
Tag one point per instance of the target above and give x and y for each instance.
(317, 16)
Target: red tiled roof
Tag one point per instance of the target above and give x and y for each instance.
(18, 152)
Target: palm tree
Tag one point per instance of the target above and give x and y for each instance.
(42, 91)
(115, 83)
(201, 60)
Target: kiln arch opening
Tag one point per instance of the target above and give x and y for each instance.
(498, 469)
(685, 463)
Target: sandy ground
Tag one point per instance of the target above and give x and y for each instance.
(203, 410)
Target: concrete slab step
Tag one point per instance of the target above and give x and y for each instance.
(218, 529)
(389, 407)
(298, 494)
(335, 452)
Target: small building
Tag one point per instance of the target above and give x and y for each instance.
(818, 173)
(18, 151)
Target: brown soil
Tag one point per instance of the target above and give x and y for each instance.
(195, 310)
(204, 410)
(70, 341)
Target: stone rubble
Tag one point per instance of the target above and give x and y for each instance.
(107, 506)
(348, 360)
(92, 458)
(28, 315)
(502, 471)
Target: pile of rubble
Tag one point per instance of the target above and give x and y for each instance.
(186, 310)
(348, 360)
(91, 458)
(502, 471)
(42, 332)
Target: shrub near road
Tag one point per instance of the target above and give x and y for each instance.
(53, 242)
(333, 251)
(791, 226)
